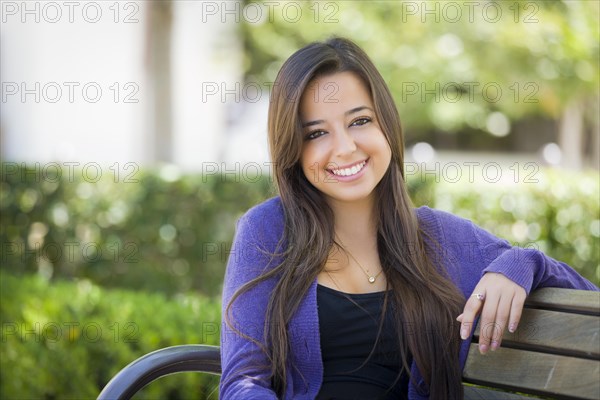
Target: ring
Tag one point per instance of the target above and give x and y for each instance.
(479, 296)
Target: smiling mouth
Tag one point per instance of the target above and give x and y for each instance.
(355, 169)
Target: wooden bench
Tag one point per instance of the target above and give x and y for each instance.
(555, 353)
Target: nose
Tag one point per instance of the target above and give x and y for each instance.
(344, 143)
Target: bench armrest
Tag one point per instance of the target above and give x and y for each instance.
(170, 360)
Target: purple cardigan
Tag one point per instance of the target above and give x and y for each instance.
(473, 251)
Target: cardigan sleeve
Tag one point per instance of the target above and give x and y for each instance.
(245, 367)
(479, 251)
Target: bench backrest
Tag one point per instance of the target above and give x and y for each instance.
(554, 352)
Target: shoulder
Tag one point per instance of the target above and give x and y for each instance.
(442, 222)
(256, 244)
(457, 232)
(271, 208)
(264, 221)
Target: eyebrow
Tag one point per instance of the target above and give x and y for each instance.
(352, 111)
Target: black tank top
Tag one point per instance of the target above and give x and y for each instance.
(348, 332)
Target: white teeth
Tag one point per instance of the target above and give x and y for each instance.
(349, 171)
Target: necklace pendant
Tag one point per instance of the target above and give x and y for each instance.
(371, 279)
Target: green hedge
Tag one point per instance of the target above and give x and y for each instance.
(152, 230)
(555, 211)
(65, 340)
(161, 231)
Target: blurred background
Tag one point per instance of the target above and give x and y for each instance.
(133, 136)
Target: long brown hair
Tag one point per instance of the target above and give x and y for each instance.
(423, 299)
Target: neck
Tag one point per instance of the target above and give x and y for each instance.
(355, 222)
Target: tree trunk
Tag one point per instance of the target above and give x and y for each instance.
(158, 62)
(570, 135)
(594, 118)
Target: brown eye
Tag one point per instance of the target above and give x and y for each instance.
(314, 134)
(361, 121)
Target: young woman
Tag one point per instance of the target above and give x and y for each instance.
(339, 288)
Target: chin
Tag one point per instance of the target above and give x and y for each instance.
(351, 197)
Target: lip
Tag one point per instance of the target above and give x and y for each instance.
(338, 178)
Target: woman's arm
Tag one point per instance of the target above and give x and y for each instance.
(509, 274)
(245, 366)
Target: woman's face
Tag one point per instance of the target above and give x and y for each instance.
(345, 154)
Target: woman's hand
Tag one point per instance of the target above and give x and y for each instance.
(501, 300)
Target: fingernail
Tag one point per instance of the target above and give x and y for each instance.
(494, 345)
(464, 334)
(512, 327)
(459, 317)
(483, 348)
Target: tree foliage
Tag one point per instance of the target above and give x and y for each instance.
(450, 65)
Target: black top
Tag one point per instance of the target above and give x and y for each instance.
(348, 325)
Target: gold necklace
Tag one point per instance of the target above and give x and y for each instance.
(371, 278)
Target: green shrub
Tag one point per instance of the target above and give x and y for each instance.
(557, 212)
(66, 340)
(154, 230)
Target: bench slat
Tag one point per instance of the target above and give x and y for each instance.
(535, 373)
(554, 332)
(479, 393)
(579, 301)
